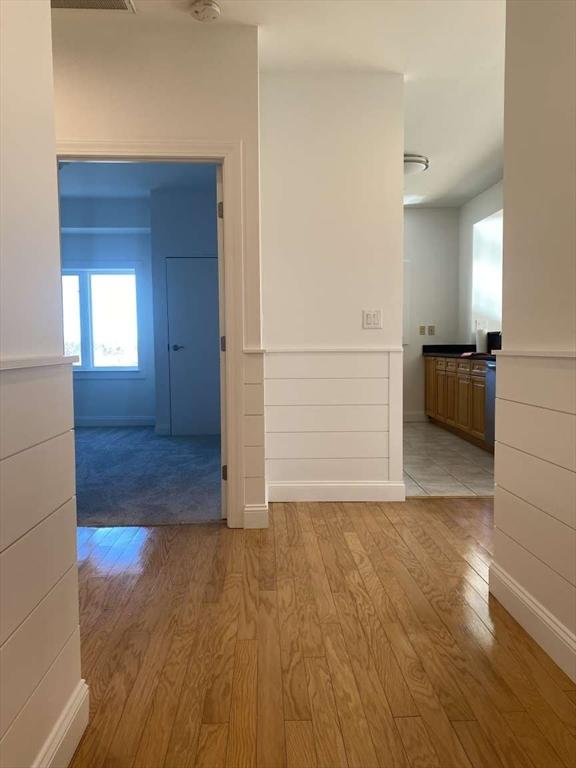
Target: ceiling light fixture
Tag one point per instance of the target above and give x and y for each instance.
(415, 164)
(205, 10)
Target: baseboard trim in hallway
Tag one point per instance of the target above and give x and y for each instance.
(386, 490)
(558, 641)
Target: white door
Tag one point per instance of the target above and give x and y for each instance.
(194, 345)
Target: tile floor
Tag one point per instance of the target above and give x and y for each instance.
(438, 463)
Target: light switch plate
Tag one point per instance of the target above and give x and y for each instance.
(422, 330)
(371, 318)
(431, 330)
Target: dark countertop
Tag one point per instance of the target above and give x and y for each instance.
(487, 358)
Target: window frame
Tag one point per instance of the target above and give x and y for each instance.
(87, 370)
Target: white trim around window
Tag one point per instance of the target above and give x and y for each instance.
(86, 369)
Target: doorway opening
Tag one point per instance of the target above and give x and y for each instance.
(143, 298)
(452, 323)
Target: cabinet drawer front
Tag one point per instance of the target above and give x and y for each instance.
(451, 365)
(479, 367)
(464, 366)
(440, 364)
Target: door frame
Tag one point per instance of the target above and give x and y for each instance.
(228, 154)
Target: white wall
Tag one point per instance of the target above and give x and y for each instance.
(430, 293)
(100, 233)
(533, 574)
(43, 701)
(331, 160)
(128, 78)
(488, 202)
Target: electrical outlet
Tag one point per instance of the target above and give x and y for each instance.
(431, 330)
(422, 330)
(371, 318)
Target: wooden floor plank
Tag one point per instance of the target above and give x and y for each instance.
(241, 752)
(344, 635)
(271, 748)
(300, 749)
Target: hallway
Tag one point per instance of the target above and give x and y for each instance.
(344, 635)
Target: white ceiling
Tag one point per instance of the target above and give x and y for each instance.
(107, 179)
(451, 53)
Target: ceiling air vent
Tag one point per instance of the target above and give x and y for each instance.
(95, 5)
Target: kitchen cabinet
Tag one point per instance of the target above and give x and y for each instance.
(456, 396)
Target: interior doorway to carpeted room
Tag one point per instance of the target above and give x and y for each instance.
(142, 313)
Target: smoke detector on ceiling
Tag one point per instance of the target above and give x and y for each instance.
(205, 10)
(415, 164)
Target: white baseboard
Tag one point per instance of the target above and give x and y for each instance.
(128, 421)
(256, 516)
(162, 429)
(329, 491)
(555, 638)
(411, 416)
(60, 746)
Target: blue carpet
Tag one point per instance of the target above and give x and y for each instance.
(132, 476)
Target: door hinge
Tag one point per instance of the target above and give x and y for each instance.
(224, 471)
(220, 210)
(223, 343)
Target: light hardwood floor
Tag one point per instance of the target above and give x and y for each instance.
(344, 635)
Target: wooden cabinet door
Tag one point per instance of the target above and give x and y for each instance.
(451, 397)
(441, 395)
(430, 371)
(477, 406)
(463, 401)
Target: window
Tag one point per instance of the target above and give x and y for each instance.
(101, 319)
(487, 272)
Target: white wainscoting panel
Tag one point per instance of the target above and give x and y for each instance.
(30, 741)
(51, 548)
(23, 660)
(545, 485)
(329, 445)
(33, 484)
(35, 405)
(534, 569)
(541, 534)
(541, 432)
(255, 500)
(328, 417)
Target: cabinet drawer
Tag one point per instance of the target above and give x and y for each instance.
(440, 364)
(451, 365)
(479, 367)
(464, 366)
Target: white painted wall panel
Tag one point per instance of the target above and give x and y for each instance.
(254, 462)
(253, 368)
(23, 660)
(255, 490)
(35, 405)
(51, 464)
(546, 538)
(253, 399)
(324, 470)
(551, 435)
(326, 445)
(326, 365)
(545, 485)
(32, 728)
(253, 430)
(327, 418)
(33, 564)
(541, 582)
(326, 392)
(547, 382)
